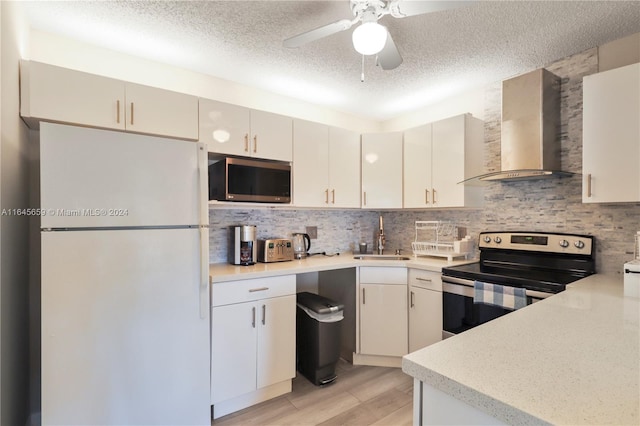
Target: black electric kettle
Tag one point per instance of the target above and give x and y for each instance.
(301, 245)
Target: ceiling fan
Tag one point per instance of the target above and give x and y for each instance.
(371, 38)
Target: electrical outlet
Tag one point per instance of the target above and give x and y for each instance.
(313, 232)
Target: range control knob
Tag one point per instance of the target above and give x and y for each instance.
(564, 243)
(487, 239)
(498, 240)
(579, 244)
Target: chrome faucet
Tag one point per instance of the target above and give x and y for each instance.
(381, 237)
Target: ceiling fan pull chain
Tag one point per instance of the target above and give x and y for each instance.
(362, 74)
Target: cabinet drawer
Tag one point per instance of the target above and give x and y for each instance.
(248, 290)
(425, 279)
(383, 275)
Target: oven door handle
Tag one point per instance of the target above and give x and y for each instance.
(465, 288)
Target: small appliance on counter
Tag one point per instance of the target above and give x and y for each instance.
(301, 245)
(275, 250)
(242, 245)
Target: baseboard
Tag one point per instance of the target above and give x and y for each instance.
(247, 400)
(377, 360)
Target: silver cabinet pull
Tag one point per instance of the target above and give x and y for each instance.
(412, 295)
(434, 196)
(363, 296)
(255, 143)
(365, 198)
(246, 142)
(132, 113)
(426, 196)
(333, 196)
(423, 279)
(264, 314)
(589, 185)
(253, 320)
(253, 290)
(326, 196)
(118, 111)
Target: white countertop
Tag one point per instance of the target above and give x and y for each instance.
(570, 359)
(221, 272)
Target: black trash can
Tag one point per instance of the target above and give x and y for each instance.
(319, 322)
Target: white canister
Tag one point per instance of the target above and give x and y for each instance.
(632, 279)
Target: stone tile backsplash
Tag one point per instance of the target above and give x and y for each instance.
(552, 205)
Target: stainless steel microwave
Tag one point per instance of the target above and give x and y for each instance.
(242, 179)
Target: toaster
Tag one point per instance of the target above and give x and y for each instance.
(275, 250)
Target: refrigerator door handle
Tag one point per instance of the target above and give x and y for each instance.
(204, 273)
(203, 184)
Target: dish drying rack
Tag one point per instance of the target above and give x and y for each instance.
(437, 238)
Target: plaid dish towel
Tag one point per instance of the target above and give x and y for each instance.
(504, 296)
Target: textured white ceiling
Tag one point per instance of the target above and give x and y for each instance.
(444, 53)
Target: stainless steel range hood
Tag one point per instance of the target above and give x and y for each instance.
(530, 145)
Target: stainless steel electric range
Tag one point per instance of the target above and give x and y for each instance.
(541, 263)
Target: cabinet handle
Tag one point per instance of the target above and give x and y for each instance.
(246, 142)
(264, 314)
(253, 321)
(423, 279)
(255, 143)
(589, 185)
(252, 290)
(118, 111)
(326, 196)
(365, 198)
(363, 298)
(333, 196)
(412, 295)
(434, 196)
(132, 113)
(426, 196)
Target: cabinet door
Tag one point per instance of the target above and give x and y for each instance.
(225, 128)
(425, 317)
(276, 340)
(310, 164)
(62, 95)
(233, 350)
(382, 170)
(417, 167)
(383, 319)
(448, 162)
(272, 136)
(161, 112)
(344, 168)
(611, 136)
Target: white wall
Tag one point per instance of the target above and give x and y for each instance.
(469, 102)
(65, 52)
(14, 246)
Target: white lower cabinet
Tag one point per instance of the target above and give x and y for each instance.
(383, 311)
(253, 329)
(425, 308)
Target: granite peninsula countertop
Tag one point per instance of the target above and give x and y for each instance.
(573, 358)
(222, 272)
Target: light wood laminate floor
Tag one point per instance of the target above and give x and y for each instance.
(361, 395)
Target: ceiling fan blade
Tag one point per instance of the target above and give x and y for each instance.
(389, 57)
(318, 33)
(403, 8)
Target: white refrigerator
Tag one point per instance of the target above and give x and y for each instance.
(125, 288)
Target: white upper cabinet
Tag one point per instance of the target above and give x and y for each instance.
(326, 166)
(344, 168)
(611, 136)
(235, 130)
(382, 170)
(439, 155)
(62, 95)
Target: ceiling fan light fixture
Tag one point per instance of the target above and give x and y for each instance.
(369, 38)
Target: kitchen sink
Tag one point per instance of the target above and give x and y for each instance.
(381, 257)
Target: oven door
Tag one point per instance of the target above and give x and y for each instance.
(459, 313)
